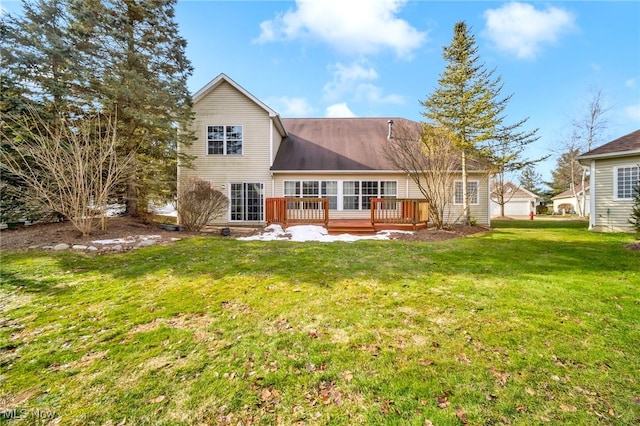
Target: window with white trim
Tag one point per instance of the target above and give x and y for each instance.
(357, 195)
(313, 189)
(626, 179)
(472, 192)
(224, 140)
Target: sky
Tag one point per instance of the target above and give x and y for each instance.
(380, 58)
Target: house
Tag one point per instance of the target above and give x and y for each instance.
(517, 201)
(572, 200)
(614, 174)
(253, 155)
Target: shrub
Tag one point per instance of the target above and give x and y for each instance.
(541, 209)
(635, 212)
(198, 203)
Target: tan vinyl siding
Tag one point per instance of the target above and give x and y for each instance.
(610, 214)
(406, 188)
(227, 106)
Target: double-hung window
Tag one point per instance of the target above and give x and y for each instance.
(472, 192)
(357, 195)
(313, 189)
(626, 179)
(224, 140)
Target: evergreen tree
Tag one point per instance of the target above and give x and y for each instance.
(531, 180)
(466, 101)
(117, 57)
(568, 171)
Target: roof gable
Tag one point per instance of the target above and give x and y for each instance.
(223, 78)
(623, 146)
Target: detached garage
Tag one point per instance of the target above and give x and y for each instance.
(518, 201)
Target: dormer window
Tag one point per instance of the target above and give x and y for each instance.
(224, 140)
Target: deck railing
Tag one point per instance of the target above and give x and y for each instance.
(289, 210)
(399, 211)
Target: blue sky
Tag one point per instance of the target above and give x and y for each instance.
(379, 58)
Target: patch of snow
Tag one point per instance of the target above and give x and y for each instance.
(303, 233)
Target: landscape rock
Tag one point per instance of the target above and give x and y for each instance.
(61, 246)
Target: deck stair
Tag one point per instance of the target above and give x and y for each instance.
(350, 226)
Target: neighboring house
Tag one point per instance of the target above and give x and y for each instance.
(614, 174)
(249, 153)
(570, 201)
(517, 201)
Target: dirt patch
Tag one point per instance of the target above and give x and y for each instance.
(634, 246)
(44, 235)
(432, 234)
(41, 236)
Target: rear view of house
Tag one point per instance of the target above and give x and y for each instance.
(247, 151)
(615, 171)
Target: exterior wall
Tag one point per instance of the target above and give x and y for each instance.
(574, 202)
(609, 214)
(227, 106)
(514, 207)
(406, 188)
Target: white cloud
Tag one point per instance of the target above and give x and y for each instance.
(355, 81)
(521, 29)
(351, 26)
(346, 78)
(291, 106)
(373, 95)
(632, 83)
(340, 110)
(633, 112)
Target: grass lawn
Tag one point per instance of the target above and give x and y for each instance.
(537, 322)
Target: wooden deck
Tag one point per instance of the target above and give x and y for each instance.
(364, 227)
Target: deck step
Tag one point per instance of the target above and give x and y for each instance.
(351, 229)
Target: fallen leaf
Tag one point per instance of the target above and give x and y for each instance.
(462, 416)
(426, 363)
(491, 397)
(530, 391)
(347, 375)
(569, 408)
(442, 401)
(428, 422)
(157, 399)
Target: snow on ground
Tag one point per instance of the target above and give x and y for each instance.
(313, 233)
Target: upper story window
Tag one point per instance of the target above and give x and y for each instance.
(472, 192)
(224, 140)
(626, 178)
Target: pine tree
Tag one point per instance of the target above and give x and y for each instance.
(531, 180)
(568, 172)
(143, 77)
(116, 57)
(466, 101)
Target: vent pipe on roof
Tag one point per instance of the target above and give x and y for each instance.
(390, 135)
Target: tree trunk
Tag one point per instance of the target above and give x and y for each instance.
(465, 194)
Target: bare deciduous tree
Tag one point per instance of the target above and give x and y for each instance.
(198, 203)
(69, 166)
(428, 155)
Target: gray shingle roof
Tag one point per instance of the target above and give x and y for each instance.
(629, 143)
(326, 144)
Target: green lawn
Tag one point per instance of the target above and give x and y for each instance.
(534, 323)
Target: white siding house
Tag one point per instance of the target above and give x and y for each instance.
(615, 172)
(249, 153)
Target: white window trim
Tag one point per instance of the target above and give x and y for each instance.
(224, 146)
(340, 192)
(615, 181)
(477, 203)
